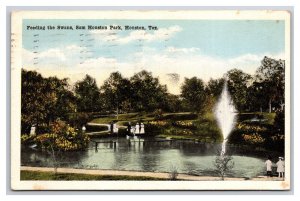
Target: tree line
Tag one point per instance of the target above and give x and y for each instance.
(44, 100)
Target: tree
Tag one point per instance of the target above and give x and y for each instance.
(43, 100)
(223, 164)
(193, 94)
(147, 93)
(215, 87)
(213, 90)
(32, 99)
(238, 82)
(88, 95)
(116, 92)
(64, 101)
(271, 75)
(174, 103)
(256, 96)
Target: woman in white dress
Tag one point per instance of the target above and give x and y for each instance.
(132, 129)
(142, 129)
(280, 167)
(137, 129)
(115, 128)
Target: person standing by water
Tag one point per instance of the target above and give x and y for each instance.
(142, 129)
(140, 126)
(111, 127)
(129, 128)
(137, 129)
(280, 167)
(269, 164)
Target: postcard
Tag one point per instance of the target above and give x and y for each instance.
(150, 100)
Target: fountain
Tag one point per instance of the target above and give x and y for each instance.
(225, 113)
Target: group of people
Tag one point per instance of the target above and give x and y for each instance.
(139, 128)
(280, 167)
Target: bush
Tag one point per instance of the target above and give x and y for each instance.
(155, 127)
(173, 173)
(247, 116)
(223, 164)
(79, 119)
(184, 116)
(26, 139)
(62, 137)
(158, 114)
(184, 124)
(95, 128)
(279, 122)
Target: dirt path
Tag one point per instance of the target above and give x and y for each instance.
(161, 175)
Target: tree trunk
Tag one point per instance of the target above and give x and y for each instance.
(270, 106)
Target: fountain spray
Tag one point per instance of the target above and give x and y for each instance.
(225, 113)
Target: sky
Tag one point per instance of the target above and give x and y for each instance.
(175, 50)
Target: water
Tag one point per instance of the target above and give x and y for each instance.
(153, 155)
(225, 113)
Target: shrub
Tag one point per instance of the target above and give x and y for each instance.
(184, 124)
(78, 119)
(279, 122)
(178, 117)
(173, 173)
(158, 114)
(95, 128)
(62, 137)
(253, 138)
(26, 139)
(223, 164)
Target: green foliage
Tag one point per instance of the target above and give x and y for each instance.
(26, 139)
(180, 116)
(45, 176)
(148, 94)
(215, 86)
(271, 76)
(117, 92)
(95, 128)
(237, 86)
(259, 133)
(173, 173)
(62, 137)
(43, 100)
(158, 114)
(78, 119)
(174, 103)
(223, 164)
(193, 94)
(279, 122)
(88, 95)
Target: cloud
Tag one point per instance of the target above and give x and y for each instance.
(182, 50)
(138, 35)
(53, 53)
(57, 56)
(187, 62)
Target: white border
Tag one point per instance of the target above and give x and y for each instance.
(140, 185)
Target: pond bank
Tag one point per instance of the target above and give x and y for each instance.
(154, 175)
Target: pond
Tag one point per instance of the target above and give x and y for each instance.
(152, 154)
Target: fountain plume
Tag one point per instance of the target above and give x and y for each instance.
(225, 114)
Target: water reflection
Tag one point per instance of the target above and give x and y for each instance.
(155, 155)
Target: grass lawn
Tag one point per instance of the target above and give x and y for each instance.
(36, 175)
(134, 117)
(184, 125)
